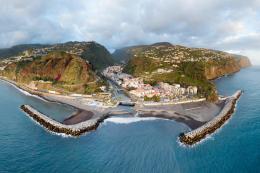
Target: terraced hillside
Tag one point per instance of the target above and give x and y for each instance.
(58, 71)
(96, 54)
(178, 64)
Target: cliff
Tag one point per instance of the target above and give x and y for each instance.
(178, 64)
(168, 56)
(56, 71)
(98, 56)
(214, 71)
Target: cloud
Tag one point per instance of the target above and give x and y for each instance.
(225, 25)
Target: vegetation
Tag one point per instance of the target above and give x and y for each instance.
(154, 98)
(98, 56)
(18, 49)
(90, 89)
(138, 65)
(151, 82)
(188, 70)
(44, 78)
(66, 72)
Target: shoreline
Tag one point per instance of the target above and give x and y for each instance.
(92, 116)
(59, 99)
(78, 117)
(195, 136)
(193, 114)
(57, 127)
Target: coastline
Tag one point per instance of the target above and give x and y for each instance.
(193, 114)
(97, 110)
(88, 118)
(57, 127)
(195, 136)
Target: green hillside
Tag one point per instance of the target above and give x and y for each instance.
(66, 72)
(178, 64)
(18, 49)
(96, 54)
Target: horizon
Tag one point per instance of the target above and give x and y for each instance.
(229, 26)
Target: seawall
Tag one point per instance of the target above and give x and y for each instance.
(173, 103)
(54, 126)
(210, 127)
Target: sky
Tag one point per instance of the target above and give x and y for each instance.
(228, 25)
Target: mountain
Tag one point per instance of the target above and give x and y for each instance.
(57, 71)
(124, 54)
(96, 54)
(18, 49)
(178, 64)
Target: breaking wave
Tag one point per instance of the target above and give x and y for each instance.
(24, 92)
(128, 120)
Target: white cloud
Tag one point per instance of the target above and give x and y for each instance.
(225, 25)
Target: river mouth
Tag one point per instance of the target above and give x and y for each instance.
(80, 116)
(193, 114)
(120, 146)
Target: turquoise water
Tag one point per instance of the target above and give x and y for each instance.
(140, 146)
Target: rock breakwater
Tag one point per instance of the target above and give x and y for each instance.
(210, 127)
(54, 126)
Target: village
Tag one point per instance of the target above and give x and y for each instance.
(73, 48)
(146, 92)
(170, 57)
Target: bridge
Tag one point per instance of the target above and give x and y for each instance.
(126, 103)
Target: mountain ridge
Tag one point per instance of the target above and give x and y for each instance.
(96, 54)
(123, 55)
(58, 71)
(164, 62)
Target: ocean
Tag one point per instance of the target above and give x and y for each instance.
(127, 145)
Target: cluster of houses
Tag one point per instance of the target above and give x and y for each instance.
(138, 88)
(175, 54)
(13, 59)
(76, 49)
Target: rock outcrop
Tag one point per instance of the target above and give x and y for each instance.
(58, 71)
(231, 66)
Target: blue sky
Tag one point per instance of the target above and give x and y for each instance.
(228, 25)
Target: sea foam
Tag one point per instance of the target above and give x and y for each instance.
(208, 136)
(25, 92)
(128, 120)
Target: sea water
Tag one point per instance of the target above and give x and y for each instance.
(132, 144)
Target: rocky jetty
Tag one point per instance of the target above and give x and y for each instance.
(210, 127)
(54, 126)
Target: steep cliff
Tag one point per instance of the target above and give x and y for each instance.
(213, 70)
(178, 64)
(57, 70)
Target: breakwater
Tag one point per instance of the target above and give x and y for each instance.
(54, 126)
(210, 127)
